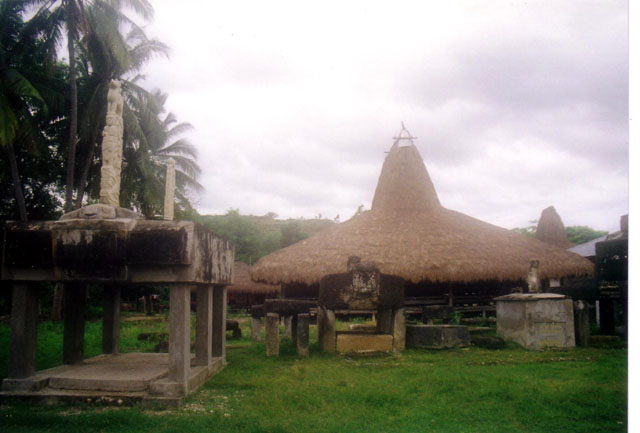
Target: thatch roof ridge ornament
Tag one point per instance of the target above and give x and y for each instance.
(409, 234)
(551, 230)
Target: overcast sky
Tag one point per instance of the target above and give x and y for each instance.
(517, 105)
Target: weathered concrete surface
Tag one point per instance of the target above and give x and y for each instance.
(328, 334)
(399, 330)
(219, 334)
(256, 328)
(287, 307)
(362, 287)
(536, 320)
(204, 325)
(74, 302)
(581, 323)
(302, 335)
(111, 320)
(116, 250)
(272, 331)
(437, 336)
(24, 331)
(179, 335)
(347, 342)
(109, 379)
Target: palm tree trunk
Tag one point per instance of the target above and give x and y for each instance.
(17, 185)
(73, 116)
(82, 185)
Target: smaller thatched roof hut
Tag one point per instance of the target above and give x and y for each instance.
(551, 229)
(245, 292)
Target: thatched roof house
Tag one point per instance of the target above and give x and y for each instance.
(408, 233)
(243, 291)
(551, 229)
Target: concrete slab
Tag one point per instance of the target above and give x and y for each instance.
(127, 372)
(121, 379)
(347, 342)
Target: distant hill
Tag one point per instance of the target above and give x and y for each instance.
(257, 236)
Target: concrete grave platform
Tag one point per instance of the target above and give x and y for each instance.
(110, 379)
(437, 336)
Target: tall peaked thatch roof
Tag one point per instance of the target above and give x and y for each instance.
(408, 233)
(551, 229)
(242, 283)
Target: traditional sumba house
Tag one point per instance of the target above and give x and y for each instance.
(551, 230)
(407, 232)
(244, 293)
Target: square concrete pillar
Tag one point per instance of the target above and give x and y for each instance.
(581, 323)
(328, 342)
(219, 332)
(302, 335)
(73, 307)
(399, 330)
(204, 325)
(256, 326)
(180, 335)
(24, 330)
(272, 334)
(294, 329)
(319, 326)
(385, 321)
(111, 320)
(288, 330)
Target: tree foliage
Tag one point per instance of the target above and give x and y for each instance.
(37, 115)
(581, 234)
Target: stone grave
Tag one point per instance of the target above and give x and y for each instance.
(536, 320)
(362, 287)
(106, 244)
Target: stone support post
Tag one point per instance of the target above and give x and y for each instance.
(219, 322)
(256, 326)
(111, 320)
(288, 331)
(328, 342)
(272, 334)
(581, 323)
(302, 335)
(399, 330)
(294, 329)
(180, 335)
(319, 325)
(74, 303)
(24, 330)
(385, 321)
(204, 325)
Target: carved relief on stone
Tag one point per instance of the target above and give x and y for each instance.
(112, 147)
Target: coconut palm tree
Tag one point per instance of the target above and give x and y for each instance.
(25, 82)
(74, 15)
(151, 138)
(106, 54)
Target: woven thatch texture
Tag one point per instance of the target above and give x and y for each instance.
(410, 235)
(551, 229)
(242, 282)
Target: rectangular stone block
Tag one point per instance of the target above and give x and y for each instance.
(437, 336)
(363, 343)
(272, 331)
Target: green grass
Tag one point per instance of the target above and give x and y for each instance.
(464, 390)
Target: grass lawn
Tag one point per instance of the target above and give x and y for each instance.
(463, 390)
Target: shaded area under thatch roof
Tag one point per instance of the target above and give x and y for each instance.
(409, 234)
(551, 230)
(242, 283)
